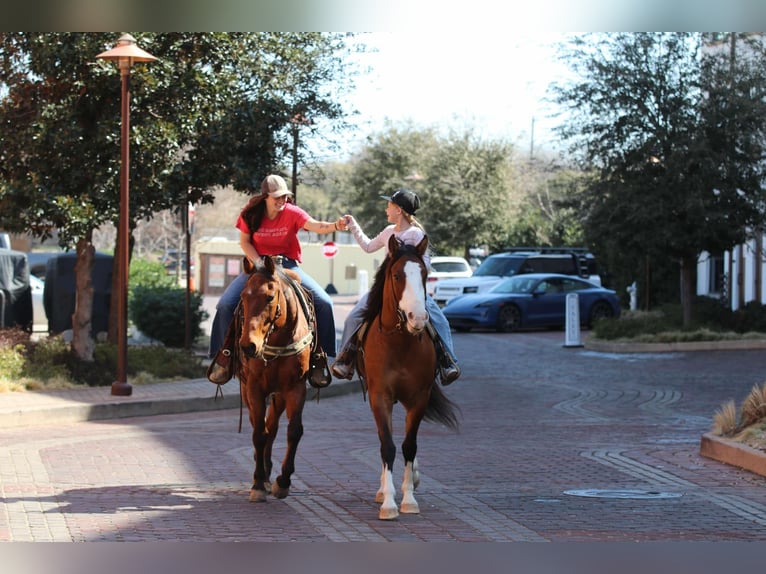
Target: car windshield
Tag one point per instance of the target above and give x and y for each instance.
(448, 266)
(517, 284)
(499, 266)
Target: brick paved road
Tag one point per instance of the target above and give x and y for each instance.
(539, 420)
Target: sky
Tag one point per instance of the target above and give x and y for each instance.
(494, 84)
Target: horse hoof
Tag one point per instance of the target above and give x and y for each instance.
(257, 495)
(278, 492)
(388, 513)
(410, 508)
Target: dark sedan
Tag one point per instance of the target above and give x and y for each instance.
(531, 300)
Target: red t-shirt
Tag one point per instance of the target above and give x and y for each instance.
(280, 235)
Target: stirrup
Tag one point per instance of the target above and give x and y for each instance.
(220, 369)
(319, 373)
(449, 373)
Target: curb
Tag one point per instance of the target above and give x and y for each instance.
(613, 347)
(733, 453)
(71, 412)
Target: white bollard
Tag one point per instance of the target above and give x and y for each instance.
(361, 276)
(631, 289)
(572, 338)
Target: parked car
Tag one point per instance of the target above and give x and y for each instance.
(506, 264)
(531, 300)
(446, 268)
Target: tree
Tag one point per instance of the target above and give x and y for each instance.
(466, 185)
(213, 110)
(670, 177)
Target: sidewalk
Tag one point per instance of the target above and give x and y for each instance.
(97, 403)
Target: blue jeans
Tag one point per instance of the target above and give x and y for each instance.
(228, 302)
(436, 316)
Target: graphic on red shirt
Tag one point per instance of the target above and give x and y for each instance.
(280, 235)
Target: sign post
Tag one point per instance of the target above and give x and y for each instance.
(330, 250)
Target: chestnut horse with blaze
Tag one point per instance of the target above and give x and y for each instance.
(275, 342)
(398, 364)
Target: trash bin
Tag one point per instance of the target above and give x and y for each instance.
(15, 291)
(61, 288)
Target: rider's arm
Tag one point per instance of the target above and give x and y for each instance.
(321, 227)
(249, 249)
(368, 245)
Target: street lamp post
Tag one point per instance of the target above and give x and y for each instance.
(125, 54)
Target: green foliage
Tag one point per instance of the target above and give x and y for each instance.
(159, 312)
(711, 321)
(48, 359)
(465, 184)
(12, 362)
(215, 109)
(49, 363)
(674, 139)
(160, 362)
(145, 273)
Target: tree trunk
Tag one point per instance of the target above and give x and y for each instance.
(82, 319)
(687, 288)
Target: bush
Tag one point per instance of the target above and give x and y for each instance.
(711, 320)
(144, 273)
(160, 313)
(159, 363)
(49, 363)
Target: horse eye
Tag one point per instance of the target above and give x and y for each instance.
(269, 298)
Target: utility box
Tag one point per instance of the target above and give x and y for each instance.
(61, 288)
(15, 291)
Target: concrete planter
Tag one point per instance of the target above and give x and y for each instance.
(733, 453)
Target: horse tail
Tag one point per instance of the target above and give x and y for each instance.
(442, 410)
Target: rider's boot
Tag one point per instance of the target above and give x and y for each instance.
(343, 366)
(221, 368)
(449, 371)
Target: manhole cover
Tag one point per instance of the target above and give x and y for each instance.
(621, 493)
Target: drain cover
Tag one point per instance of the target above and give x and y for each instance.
(621, 493)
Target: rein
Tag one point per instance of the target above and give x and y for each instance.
(269, 352)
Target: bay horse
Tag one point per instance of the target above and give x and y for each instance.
(398, 364)
(274, 347)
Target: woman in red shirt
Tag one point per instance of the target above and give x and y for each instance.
(269, 225)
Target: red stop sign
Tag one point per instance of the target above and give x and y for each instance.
(329, 249)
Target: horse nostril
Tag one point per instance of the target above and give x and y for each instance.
(249, 351)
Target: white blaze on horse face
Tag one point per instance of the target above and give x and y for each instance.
(413, 301)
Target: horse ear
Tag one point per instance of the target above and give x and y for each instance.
(268, 261)
(393, 244)
(423, 246)
(247, 265)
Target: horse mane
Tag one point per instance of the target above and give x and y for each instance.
(375, 295)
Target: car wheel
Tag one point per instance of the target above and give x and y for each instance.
(600, 310)
(508, 319)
